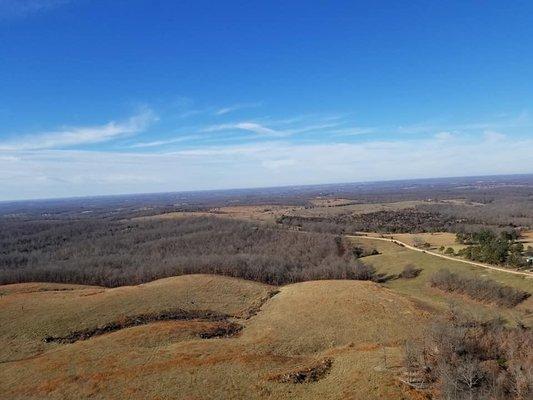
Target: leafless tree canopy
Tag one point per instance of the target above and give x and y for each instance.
(460, 358)
(114, 253)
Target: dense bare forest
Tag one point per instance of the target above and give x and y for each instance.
(498, 211)
(114, 253)
(409, 220)
(95, 240)
(505, 214)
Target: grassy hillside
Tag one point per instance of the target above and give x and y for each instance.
(357, 326)
(393, 258)
(36, 315)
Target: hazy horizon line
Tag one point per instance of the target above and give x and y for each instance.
(251, 188)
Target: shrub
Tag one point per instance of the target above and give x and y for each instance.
(459, 357)
(363, 272)
(485, 290)
(449, 251)
(409, 272)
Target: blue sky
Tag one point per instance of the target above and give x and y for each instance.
(100, 97)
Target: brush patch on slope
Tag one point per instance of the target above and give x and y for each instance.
(143, 319)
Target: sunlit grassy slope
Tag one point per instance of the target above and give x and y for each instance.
(394, 258)
(353, 323)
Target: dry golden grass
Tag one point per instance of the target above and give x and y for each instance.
(312, 317)
(435, 239)
(353, 323)
(32, 316)
(269, 213)
(32, 287)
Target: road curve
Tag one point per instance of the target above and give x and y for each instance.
(408, 246)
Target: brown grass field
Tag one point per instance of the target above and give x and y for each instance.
(352, 323)
(447, 239)
(435, 239)
(319, 208)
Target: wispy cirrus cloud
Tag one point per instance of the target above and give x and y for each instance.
(74, 136)
(353, 131)
(312, 148)
(235, 107)
(158, 143)
(247, 126)
(263, 130)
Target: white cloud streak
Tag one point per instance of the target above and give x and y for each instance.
(235, 107)
(158, 143)
(522, 120)
(74, 136)
(263, 130)
(247, 126)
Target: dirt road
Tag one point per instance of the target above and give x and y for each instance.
(395, 241)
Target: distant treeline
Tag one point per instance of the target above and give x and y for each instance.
(114, 253)
(498, 211)
(401, 221)
(501, 215)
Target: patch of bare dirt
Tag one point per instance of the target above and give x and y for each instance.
(312, 373)
(222, 330)
(250, 312)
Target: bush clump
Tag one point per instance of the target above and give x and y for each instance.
(410, 271)
(485, 290)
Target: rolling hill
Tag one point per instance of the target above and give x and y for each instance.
(342, 337)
